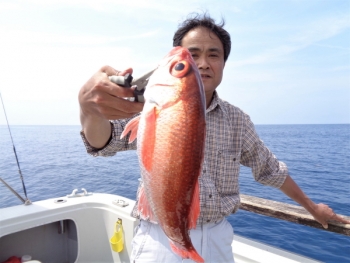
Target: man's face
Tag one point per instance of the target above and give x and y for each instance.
(208, 53)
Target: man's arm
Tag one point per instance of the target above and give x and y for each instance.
(102, 100)
(321, 212)
(97, 131)
(269, 171)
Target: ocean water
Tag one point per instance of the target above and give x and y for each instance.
(53, 161)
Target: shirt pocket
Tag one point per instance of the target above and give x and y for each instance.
(228, 166)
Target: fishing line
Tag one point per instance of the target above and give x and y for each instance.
(26, 201)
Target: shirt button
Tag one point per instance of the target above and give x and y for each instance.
(204, 170)
(208, 221)
(234, 159)
(210, 196)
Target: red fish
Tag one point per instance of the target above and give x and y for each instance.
(170, 142)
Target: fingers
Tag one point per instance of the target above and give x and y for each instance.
(112, 88)
(326, 214)
(107, 87)
(124, 72)
(340, 219)
(337, 218)
(104, 99)
(111, 71)
(114, 108)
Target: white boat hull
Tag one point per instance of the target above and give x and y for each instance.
(79, 230)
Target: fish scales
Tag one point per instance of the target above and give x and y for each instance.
(170, 187)
(170, 142)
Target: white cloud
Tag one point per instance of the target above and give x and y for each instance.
(40, 85)
(19, 37)
(6, 6)
(42, 72)
(55, 73)
(334, 46)
(308, 35)
(112, 5)
(322, 29)
(151, 9)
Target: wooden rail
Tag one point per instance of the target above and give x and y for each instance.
(288, 212)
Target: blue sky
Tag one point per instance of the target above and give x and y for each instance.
(289, 63)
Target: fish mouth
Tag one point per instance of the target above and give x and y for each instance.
(160, 84)
(153, 101)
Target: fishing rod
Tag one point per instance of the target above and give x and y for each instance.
(25, 201)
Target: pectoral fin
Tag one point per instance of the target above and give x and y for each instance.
(148, 144)
(195, 208)
(144, 207)
(132, 127)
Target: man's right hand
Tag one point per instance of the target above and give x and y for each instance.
(102, 100)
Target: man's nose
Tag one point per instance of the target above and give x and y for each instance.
(202, 63)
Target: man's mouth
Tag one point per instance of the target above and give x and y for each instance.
(205, 76)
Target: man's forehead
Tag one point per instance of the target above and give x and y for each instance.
(202, 39)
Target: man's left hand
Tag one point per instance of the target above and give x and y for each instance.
(323, 214)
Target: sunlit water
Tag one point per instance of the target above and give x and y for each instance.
(54, 161)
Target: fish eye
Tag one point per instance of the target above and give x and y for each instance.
(180, 69)
(179, 66)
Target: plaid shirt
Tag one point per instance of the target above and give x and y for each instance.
(231, 140)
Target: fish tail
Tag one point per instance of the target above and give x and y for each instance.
(190, 253)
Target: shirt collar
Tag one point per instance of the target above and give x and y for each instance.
(214, 102)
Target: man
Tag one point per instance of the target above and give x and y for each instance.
(231, 140)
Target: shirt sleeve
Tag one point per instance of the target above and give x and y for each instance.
(115, 144)
(265, 167)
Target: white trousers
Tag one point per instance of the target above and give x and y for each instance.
(212, 241)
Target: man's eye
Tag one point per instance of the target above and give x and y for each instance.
(194, 55)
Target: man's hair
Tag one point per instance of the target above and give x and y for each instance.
(197, 20)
